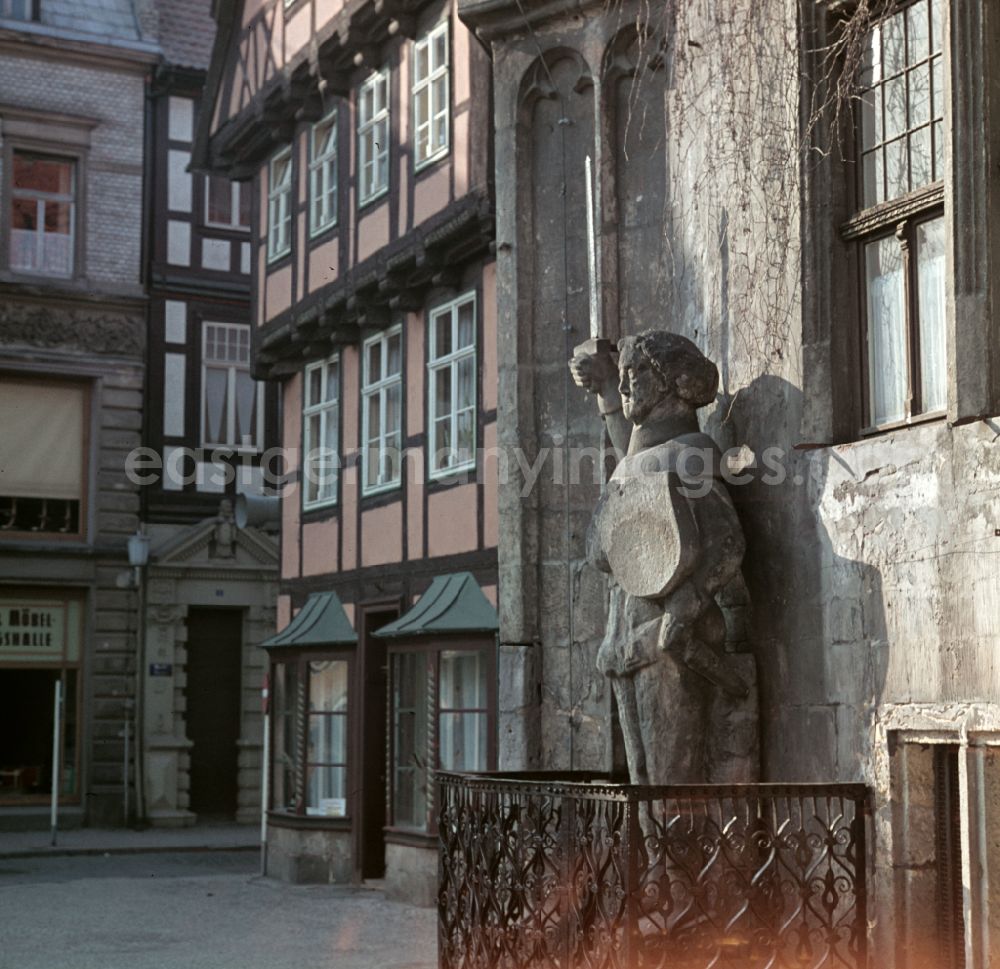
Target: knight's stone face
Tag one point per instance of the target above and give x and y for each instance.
(640, 386)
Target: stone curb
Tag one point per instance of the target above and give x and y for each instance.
(65, 852)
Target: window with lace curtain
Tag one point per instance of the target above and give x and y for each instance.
(232, 401)
(898, 228)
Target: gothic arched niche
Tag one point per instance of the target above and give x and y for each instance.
(556, 132)
(635, 80)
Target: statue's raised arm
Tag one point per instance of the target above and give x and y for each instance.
(595, 368)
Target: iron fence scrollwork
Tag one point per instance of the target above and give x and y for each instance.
(545, 871)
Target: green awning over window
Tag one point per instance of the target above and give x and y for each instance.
(320, 622)
(452, 604)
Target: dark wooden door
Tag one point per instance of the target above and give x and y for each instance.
(213, 708)
(373, 793)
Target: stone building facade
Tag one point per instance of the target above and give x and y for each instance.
(124, 295)
(812, 199)
(72, 353)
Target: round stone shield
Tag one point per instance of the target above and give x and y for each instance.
(647, 533)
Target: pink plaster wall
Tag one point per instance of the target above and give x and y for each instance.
(373, 229)
(414, 484)
(460, 152)
(291, 496)
(278, 293)
(284, 610)
(298, 29)
(326, 10)
(460, 58)
(491, 515)
(319, 547)
(451, 521)
(403, 181)
(323, 263)
(301, 229)
(349, 610)
(251, 8)
(432, 192)
(490, 591)
(416, 372)
(350, 362)
(381, 535)
(349, 484)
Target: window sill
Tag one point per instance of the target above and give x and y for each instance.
(243, 230)
(372, 199)
(447, 475)
(410, 836)
(285, 819)
(917, 421)
(439, 156)
(321, 230)
(274, 258)
(376, 490)
(328, 504)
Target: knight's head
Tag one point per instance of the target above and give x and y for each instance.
(662, 373)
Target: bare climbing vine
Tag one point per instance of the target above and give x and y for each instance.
(758, 93)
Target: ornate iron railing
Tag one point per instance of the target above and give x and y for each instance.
(543, 871)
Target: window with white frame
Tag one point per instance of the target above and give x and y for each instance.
(443, 716)
(227, 204)
(430, 95)
(43, 214)
(321, 432)
(323, 175)
(373, 136)
(382, 410)
(310, 720)
(899, 223)
(452, 386)
(232, 402)
(279, 205)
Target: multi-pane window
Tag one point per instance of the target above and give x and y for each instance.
(373, 136)
(430, 95)
(323, 175)
(231, 404)
(227, 204)
(447, 689)
(462, 711)
(321, 418)
(279, 205)
(900, 224)
(19, 9)
(452, 386)
(43, 214)
(326, 738)
(382, 410)
(309, 763)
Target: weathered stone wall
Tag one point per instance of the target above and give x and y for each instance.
(870, 600)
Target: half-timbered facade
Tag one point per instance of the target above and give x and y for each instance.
(363, 130)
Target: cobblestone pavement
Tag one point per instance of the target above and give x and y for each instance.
(205, 910)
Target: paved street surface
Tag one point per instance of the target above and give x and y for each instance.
(196, 910)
